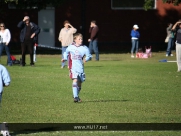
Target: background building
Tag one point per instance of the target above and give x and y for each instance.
(114, 19)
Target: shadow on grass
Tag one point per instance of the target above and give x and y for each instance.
(107, 101)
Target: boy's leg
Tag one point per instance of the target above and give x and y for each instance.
(78, 87)
(75, 88)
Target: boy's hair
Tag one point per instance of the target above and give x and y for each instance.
(66, 21)
(93, 21)
(77, 35)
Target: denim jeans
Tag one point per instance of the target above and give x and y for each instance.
(93, 46)
(63, 50)
(170, 46)
(2, 46)
(135, 43)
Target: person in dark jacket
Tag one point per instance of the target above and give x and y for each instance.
(28, 36)
(93, 40)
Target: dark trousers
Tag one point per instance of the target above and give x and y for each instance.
(27, 44)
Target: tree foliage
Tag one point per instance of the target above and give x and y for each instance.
(148, 3)
(34, 4)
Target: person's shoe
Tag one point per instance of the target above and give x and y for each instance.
(32, 65)
(62, 66)
(132, 56)
(77, 99)
(178, 70)
(171, 55)
(166, 55)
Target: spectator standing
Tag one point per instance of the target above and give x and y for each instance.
(28, 36)
(5, 37)
(135, 35)
(66, 37)
(170, 36)
(178, 44)
(93, 40)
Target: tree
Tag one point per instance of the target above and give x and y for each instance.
(148, 3)
(34, 4)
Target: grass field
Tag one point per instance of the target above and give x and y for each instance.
(118, 89)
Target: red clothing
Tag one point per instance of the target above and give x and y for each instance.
(94, 33)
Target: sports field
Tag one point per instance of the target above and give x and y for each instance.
(118, 89)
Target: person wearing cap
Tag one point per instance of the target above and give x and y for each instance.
(177, 28)
(28, 36)
(135, 35)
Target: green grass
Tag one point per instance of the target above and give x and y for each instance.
(118, 89)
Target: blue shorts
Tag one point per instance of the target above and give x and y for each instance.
(79, 76)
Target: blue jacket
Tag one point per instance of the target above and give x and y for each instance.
(135, 34)
(4, 78)
(34, 29)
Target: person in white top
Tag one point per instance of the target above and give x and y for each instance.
(5, 37)
(66, 37)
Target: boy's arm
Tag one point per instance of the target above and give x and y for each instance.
(88, 56)
(66, 53)
(5, 77)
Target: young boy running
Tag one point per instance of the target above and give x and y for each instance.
(76, 52)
